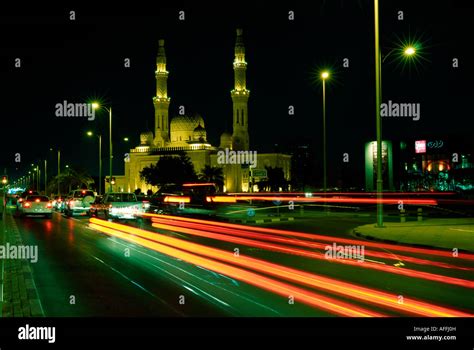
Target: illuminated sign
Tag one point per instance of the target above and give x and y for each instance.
(435, 144)
(420, 146)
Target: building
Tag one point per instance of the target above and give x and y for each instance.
(188, 133)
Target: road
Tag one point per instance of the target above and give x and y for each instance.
(198, 268)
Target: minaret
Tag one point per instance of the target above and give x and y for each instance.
(161, 101)
(240, 96)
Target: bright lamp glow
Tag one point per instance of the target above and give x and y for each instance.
(89, 133)
(324, 75)
(410, 50)
(95, 105)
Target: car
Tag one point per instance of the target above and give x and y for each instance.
(58, 203)
(189, 198)
(23, 196)
(35, 205)
(78, 202)
(117, 205)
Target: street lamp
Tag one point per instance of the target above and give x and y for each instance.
(59, 169)
(408, 51)
(324, 77)
(95, 105)
(90, 133)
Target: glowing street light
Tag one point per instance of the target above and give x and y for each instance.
(90, 133)
(95, 105)
(409, 51)
(324, 77)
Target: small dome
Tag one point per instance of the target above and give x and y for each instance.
(199, 134)
(146, 138)
(199, 128)
(226, 140)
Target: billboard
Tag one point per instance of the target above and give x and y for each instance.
(420, 146)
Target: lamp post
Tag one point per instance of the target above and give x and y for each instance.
(378, 122)
(45, 177)
(90, 133)
(407, 51)
(59, 169)
(95, 105)
(324, 76)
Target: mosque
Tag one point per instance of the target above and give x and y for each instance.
(188, 133)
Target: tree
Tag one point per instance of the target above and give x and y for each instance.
(276, 178)
(72, 178)
(212, 174)
(169, 169)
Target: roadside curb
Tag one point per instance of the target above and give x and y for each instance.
(20, 296)
(390, 241)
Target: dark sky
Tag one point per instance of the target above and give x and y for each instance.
(83, 59)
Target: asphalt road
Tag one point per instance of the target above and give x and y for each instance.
(84, 271)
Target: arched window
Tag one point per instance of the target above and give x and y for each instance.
(242, 118)
(237, 116)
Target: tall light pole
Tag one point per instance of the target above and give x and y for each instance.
(378, 122)
(59, 169)
(324, 76)
(89, 133)
(95, 105)
(45, 177)
(407, 51)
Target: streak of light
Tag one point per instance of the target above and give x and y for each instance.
(307, 244)
(401, 248)
(320, 256)
(310, 298)
(366, 294)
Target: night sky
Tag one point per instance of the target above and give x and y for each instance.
(83, 60)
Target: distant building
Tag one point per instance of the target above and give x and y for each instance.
(371, 166)
(436, 165)
(188, 133)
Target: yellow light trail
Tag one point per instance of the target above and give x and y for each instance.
(316, 281)
(313, 299)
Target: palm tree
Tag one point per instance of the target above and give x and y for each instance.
(212, 174)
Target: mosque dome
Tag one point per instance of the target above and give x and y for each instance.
(186, 122)
(183, 127)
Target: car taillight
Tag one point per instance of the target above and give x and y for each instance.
(20, 200)
(26, 205)
(49, 205)
(37, 200)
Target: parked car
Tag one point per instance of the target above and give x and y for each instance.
(78, 202)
